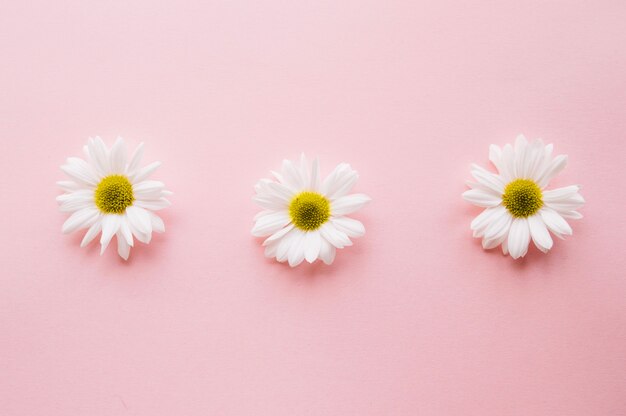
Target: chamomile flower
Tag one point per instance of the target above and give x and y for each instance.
(519, 207)
(305, 217)
(108, 195)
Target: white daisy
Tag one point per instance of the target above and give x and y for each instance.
(518, 206)
(106, 194)
(305, 218)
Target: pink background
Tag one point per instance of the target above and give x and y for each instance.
(414, 319)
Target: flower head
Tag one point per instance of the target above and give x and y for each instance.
(107, 195)
(518, 205)
(305, 217)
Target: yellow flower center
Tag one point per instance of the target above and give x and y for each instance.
(114, 194)
(522, 198)
(309, 210)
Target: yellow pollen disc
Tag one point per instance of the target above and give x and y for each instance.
(309, 210)
(522, 198)
(114, 194)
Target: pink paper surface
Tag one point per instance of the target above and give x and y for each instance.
(415, 318)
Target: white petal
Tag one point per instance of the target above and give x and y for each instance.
(481, 198)
(507, 161)
(340, 182)
(316, 180)
(519, 238)
(125, 231)
(488, 179)
(147, 190)
(327, 252)
(304, 172)
(351, 227)
(123, 248)
(334, 236)
(558, 194)
(136, 160)
(499, 226)
(280, 191)
(144, 172)
(285, 244)
(157, 223)
(152, 205)
(482, 221)
(553, 169)
(76, 200)
(99, 156)
(536, 156)
(572, 215)
(139, 218)
(495, 156)
(291, 176)
(269, 224)
(555, 222)
(110, 226)
(520, 156)
(80, 219)
(269, 202)
(92, 232)
(312, 245)
(491, 243)
(296, 249)
(70, 186)
(348, 204)
(271, 249)
(539, 233)
(277, 235)
(118, 157)
(505, 246)
(80, 171)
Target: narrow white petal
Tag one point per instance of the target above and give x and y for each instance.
(553, 169)
(558, 194)
(519, 238)
(481, 198)
(495, 156)
(285, 243)
(351, 227)
(269, 224)
(488, 179)
(135, 160)
(277, 235)
(70, 186)
(482, 221)
(139, 218)
(539, 233)
(348, 204)
(327, 252)
(520, 156)
(305, 174)
(157, 223)
(334, 236)
(312, 245)
(125, 231)
(572, 215)
(92, 232)
(110, 226)
(291, 176)
(499, 226)
(144, 172)
(335, 179)
(153, 205)
(269, 202)
(123, 248)
(316, 180)
(80, 219)
(80, 171)
(555, 222)
(148, 190)
(296, 250)
(118, 156)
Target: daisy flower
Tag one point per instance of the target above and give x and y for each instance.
(305, 218)
(518, 205)
(107, 195)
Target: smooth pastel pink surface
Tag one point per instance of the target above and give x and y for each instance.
(415, 318)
